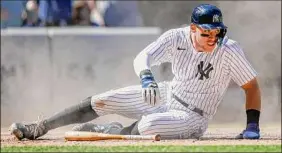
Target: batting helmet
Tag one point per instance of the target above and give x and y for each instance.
(207, 16)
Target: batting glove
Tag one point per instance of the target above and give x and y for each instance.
(251, 132)
(150, 90)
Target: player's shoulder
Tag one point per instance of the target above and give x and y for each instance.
(230, 45)
(227, 42)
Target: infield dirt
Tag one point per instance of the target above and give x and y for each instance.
(215, 135)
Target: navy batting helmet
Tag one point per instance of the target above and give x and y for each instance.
(207, 16)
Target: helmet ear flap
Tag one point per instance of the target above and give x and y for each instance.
(222, 33)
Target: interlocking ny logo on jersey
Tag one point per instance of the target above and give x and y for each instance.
(204, 72)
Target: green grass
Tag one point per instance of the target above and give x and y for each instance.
(224, 148)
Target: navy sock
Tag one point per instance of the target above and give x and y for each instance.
(79, 113)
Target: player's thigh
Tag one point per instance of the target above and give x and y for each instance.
(126, 101)
(174, 124)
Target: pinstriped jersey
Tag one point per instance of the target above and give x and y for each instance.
(200, 78)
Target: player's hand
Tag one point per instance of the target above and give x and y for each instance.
(251, 132)
(150, 90)
(151, 93)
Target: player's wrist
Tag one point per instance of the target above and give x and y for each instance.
(253, 116)
(146, 77)
(145, 74)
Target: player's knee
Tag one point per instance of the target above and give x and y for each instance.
(97, 102)
(92, 101)
(148, 126)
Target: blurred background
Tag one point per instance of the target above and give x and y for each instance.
(55, 53)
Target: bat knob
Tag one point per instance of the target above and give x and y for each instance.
(158, 137)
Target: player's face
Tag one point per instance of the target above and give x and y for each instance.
(206, 39)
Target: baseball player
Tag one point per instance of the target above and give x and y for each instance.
(204, 61)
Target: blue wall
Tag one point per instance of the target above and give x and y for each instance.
(120, 13)
(14, 8)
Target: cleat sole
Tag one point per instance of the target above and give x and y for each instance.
(18, 134)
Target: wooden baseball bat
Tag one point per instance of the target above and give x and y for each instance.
(94, 136)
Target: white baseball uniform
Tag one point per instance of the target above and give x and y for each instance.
(191, 98)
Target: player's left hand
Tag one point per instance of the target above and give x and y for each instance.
(150, 90)
(252, 131)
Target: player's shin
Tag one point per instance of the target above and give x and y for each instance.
(79, 113)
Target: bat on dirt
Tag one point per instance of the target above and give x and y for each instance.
(94, 136)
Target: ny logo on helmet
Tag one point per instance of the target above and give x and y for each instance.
(216, 18)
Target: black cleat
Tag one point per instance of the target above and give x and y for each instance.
(91, 127)
(29, 131)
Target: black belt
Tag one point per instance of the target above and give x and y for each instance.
(195, 109)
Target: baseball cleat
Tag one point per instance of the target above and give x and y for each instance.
(248, 135)
(29, 131)
(252, 132)
(91, 127)
(251, 135)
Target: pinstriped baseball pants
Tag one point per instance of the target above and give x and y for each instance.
(170, 121)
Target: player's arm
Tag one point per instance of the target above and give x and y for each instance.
(244, 75)
(253, 101)
(156, 53)
(253, 106)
